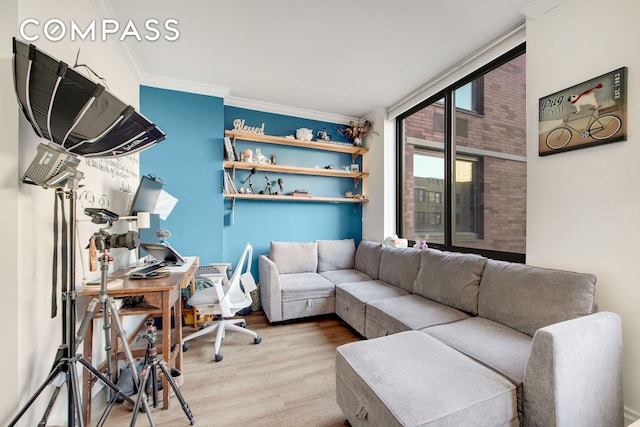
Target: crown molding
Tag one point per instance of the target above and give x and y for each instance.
(105, 11)
(251, 104)
(536, 8)
(184, 86)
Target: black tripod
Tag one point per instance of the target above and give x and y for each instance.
(64, 368)
(150, 371)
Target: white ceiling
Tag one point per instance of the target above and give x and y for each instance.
(342, 57)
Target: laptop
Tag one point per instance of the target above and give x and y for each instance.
(164, 254)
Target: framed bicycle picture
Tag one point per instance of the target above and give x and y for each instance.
(588, 114)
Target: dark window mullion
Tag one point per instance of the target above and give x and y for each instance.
(449, 158)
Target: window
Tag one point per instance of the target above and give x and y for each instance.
(463, 163)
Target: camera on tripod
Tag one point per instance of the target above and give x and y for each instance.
(105, 241)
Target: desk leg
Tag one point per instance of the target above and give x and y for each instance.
(166, 345)
(177, 315)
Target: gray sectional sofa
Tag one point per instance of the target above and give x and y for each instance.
(453, 339)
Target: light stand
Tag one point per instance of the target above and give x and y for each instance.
(64, 368)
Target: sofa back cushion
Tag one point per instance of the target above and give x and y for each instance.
(336, 254)
(294, 257)
(399, 266)
(368, 258)
(528, 298)
(450, 278)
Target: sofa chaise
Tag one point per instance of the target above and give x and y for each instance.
(453, 339)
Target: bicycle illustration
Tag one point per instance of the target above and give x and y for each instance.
(599, 127)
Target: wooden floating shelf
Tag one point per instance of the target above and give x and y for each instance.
(294, 169)
(292, 142)
(285, 198)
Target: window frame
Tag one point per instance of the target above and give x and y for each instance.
(449, 155)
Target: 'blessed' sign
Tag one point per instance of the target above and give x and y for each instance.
(238, 125)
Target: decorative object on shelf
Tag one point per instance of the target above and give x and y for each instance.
(356, 131)
(355, 167)
(420, 244)
(163, 235)
(238, 125)
(248, 178)
(304, 134)
(228, 149)
(349, 194)
(323, 136)
(591, 113)
(248, 156)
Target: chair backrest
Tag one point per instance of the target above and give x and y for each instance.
(241, 283)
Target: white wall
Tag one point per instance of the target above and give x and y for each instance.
(31, 335)
(379, 216)
(583, 208)
(9, 211)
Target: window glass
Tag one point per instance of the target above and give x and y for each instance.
(486, 207)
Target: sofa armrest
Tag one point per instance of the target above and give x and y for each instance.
(270, 289)
(574, 373)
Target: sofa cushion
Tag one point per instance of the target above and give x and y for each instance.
(336, 254)
(528, 298)
(294, 257)
(368, 258)
(303, 286)
(412, 379)
(345, 276)
(351, 300)
(399, 266)
(392, 315)
(499, 347)
(450, 278)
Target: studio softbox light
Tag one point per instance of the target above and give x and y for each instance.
(72, 111)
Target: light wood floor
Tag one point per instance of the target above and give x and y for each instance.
(287, 380)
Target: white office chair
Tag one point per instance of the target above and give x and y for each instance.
(224, 300)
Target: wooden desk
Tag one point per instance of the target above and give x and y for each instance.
(161, 295)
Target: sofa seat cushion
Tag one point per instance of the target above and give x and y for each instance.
(351, 299)
(528, 298)
(412, 379)
(405, 313)
(349, 275)
(499, 347)
(302, 286)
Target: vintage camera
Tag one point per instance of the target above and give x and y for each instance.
(105, 241)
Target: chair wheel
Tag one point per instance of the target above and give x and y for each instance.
(185, 347)
(218, 357)
(257, 340)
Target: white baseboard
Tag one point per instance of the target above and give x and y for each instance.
(630, 416)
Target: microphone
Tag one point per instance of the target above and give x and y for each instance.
(281, 184)
(253, 171)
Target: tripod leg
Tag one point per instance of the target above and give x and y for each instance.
(75, 391)
(142, 397)
(176, 390)
(58, 381)
(54, 373)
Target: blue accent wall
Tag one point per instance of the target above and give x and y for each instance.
(190, 162)
(260, 222)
